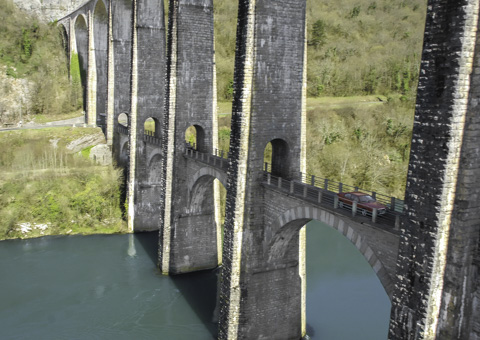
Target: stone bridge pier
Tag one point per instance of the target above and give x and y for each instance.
(189, 233)
(263, 299)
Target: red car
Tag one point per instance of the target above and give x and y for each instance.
(365, 202)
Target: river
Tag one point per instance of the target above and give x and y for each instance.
(108, 287)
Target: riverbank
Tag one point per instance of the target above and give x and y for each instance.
(50, 186)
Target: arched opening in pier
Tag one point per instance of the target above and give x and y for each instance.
(345, 280)
(65, 42)
(155, 169)
(100, 30)
(80, 57)
(152, 127)
(123, 120)
(124, 153)
(276, 158)
(195, 138)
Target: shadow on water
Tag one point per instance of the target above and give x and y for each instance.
(200, 291)
(199, 288)
(149, 243)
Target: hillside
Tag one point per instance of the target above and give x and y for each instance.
(34, 68)
(49, 186)
(357, 47)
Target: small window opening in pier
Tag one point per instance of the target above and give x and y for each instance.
(195, 138)
(123, 119)
(276, 158)
(151, 127)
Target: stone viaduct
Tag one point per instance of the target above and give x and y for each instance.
(145, 85)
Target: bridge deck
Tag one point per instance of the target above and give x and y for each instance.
(314, 194)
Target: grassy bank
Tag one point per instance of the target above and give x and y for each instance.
(46, 189)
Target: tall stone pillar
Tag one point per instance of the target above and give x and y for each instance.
(91, 75)
(262, 297)
(188, 237)
(148, 86)
(436, 294)
(122, 23)
(110, 107)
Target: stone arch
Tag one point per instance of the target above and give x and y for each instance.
(155, 168)
(279, 157)
(206, 172)
(100, 33)
(124, 153)
(81, 40)
(289, 223)
(65, 40)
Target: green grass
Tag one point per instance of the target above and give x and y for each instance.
(45, 118)
(43, 183)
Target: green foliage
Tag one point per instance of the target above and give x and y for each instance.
(33, 50)
(318, 34)
(44, 184)
(86, 152)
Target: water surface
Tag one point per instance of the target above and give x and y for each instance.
(108, 287)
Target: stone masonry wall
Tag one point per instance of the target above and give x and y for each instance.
(436, 278)
(267, 106)
(150, 104)
(191, 84)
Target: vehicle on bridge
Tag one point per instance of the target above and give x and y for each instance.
(365, 202)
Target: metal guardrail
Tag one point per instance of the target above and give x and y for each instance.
(320, 195)
(392, 203)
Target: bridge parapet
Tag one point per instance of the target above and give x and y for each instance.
(151, 137)
(393, 203)
(218, 160)
(122, 129)
(319, 195)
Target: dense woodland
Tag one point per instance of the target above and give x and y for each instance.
(363, 64)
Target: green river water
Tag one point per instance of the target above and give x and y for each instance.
(108, 287)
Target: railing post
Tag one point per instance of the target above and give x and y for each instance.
(392, 203)
(266, 166)
(374, 195)
(335, 202)
(325, 184)
(222, 154)
(374, 215)
(280, 182)
(397, 222)
(340, 187)
(313, 180)
(291, 187)
(269, 178)
(319, 196)
(305, 188)
(354, 208)
(221, 163)
(196, 154)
